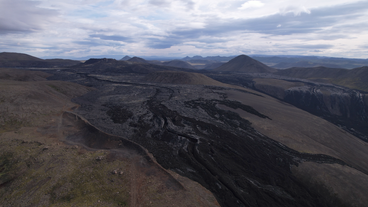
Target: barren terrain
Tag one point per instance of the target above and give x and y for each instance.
(47, 158)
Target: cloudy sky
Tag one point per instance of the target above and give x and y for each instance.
(177, 28)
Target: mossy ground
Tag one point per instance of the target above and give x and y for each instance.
(60, 176)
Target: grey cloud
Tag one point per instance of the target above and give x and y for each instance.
(157, 43)
(93, 43)
(189, 4)
(316, 47)
(160, 3)
(113, 38)
(168, 41)
(23, 16)
(280, 24)
(333, 37)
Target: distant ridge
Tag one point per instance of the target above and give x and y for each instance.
(312, 72)
(20, 60)
(137, 60)
(96, 60)
(245, 64)
(305, 64)
(352, 78)
(178, 77)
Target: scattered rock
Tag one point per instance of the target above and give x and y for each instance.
(99, 158)
(114, 172)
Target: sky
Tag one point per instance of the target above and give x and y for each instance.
(179, 28)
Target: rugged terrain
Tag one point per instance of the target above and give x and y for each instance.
(247, 148)
(52, 157)
(236, 142)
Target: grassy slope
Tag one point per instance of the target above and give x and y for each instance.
(38, 168)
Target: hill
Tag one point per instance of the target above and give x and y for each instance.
(177, 77)
(355, 78)
(20, 60)
(245, 64)
(126, 57)
(137, 60)
(178, 64)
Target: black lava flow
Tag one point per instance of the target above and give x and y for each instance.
(215, 147)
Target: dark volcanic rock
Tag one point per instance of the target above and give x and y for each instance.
(186, 131)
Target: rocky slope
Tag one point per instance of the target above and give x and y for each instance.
(344, 107)
(235, 142)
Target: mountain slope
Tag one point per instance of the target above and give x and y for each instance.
(23, 60)
(355, 78)
(245, 64)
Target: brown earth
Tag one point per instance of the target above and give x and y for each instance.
(40, 165)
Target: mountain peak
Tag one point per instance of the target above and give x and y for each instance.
(245, 64)
(137, 60)
(126, 57)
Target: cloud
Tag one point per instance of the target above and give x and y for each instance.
(160, 3)
(167, 42)
(113, 38)
(279, 24)
(251, 4)
(316, 47)
(24, 16)
(189, 4)
(146, 27)
(95, 43)
(295, 10)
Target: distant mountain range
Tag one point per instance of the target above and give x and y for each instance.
(282, 62)
(14, 60)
